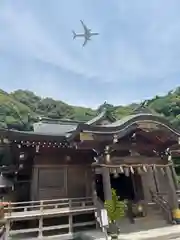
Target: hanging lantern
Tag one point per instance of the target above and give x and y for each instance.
(37, 148)
(107, 155)
(115, 138)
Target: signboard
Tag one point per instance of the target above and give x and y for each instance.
(148, 125)
(86, 136)
(104, 218)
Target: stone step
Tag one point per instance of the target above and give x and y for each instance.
(165, 233)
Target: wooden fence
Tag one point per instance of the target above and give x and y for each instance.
(41, 210)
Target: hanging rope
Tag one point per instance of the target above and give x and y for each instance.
(133, 165)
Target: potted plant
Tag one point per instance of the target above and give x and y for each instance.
(115, 211)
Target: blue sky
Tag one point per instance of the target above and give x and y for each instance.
(136, 55)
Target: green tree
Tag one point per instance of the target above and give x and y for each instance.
(115, 208)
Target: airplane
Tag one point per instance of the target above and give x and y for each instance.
(87, 34)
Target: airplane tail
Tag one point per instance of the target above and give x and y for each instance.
(74, 35)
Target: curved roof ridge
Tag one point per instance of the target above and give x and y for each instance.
(97, 118)
(127, 118)
(128, 122)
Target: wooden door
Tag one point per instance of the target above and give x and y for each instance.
(76, 182)
(52, 183)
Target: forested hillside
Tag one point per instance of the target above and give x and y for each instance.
(21, 108)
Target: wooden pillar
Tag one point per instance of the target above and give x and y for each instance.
(175, 177)
(173, 200)
(35, 184)
(173, 171)
(94, 193)
(106, 184)
(106, 177)
(40, 234)
(7, 230)
(156, 179)
(70, 223)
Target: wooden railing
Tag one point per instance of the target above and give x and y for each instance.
(99, 206)
(163, 204)
(40, 210)
(178, 194)
(43, 205)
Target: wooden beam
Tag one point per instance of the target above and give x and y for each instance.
(138, 160)
(136, 146)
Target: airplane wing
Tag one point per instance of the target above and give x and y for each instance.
(85, 41)
(84, 26)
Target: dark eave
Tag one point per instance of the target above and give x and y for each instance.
(127, 124)
(30, 136)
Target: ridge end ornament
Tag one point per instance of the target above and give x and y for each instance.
(115, 138)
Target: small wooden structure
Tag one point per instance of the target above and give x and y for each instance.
(75, 160)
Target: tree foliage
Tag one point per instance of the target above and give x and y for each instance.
(115, 208)
(16, 107)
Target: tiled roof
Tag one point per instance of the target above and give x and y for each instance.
(54, 128)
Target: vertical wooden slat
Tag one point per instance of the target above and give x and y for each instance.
(66, 180)
(70, 223)
(76, 182)
(174, 177)
(173, 200)
(106, 183)
(7, 232)
(40, 234)
(34, 184)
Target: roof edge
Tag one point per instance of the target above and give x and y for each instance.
(121, 125)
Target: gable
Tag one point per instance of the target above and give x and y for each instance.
(103, 122)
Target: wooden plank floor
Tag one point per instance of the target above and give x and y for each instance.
(48, 212)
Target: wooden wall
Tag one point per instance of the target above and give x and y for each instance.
(55, 177)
